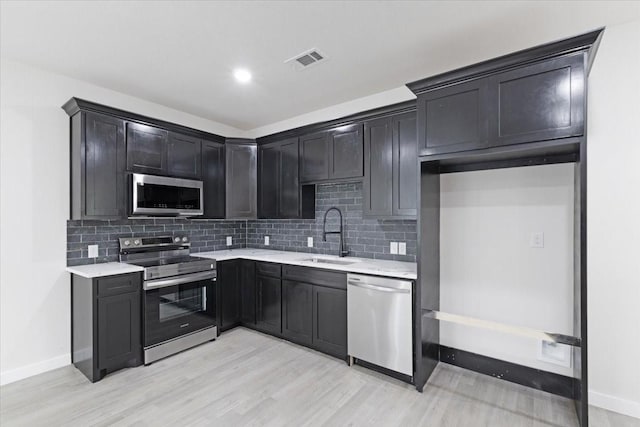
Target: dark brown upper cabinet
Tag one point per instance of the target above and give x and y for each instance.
(538, 102)
(98, 160)
(454, 118)
(213, 179)
(146, 149)
(390, 162)
(278, 183)
(241, 179)
(184, 156)
(335, 154)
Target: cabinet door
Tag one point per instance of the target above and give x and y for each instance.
(213, 179)
(269, 305)
(184, 156)
(378, 169)
(453, 119)
(346, 150)
(330, 320)
(314, 157)
(228, 283)
(537, 102)
(104, 191)
(268, 179)
(405, 165)
(289, 185)
(248, 292)
(297, 317)
(146, 149)
(241, 180)
(118, 330)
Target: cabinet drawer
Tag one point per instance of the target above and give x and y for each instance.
(315, 276)
(268, 269)
(121, 284)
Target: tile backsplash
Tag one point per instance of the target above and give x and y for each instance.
(366, 238)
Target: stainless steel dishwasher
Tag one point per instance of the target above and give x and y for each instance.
(379, 322)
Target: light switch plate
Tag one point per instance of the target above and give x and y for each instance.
(266, 240)
(309, 242)
(229, 240)
(393, 248)
(402, 248)
(93, 251)
(536, 240)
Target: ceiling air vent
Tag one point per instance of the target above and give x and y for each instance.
(306, 59)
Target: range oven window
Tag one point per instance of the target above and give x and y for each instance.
(156, 196)
(182, 302)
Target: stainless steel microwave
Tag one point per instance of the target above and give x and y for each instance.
(164, 196)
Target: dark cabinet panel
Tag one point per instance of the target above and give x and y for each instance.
(314, 157)
(288, 185)
(378, 176)
(118, 329)
(537, 102)
(99, 175)
(297, 318)
(146, 149)
(330, 320)
(405, 165)
(269, 304)
(248, 292)
(184, 158)
(268, 269)
(213, 179)
(346, 152)
(241, 180)
(268, 180)
(453, 119)
(229, 285)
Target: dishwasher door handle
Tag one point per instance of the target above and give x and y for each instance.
(379, 288)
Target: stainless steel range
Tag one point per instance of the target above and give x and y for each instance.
(179, 300)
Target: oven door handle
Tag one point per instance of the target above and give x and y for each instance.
(179, 280)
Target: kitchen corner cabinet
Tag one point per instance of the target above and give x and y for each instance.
(248, 293)
(335, 154)
(228, 287)
(390, 167)
(278, 182)
(213, 179)
(98, 161)
(106, 324)
(241, 179)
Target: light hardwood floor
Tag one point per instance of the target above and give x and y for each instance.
(249, 379)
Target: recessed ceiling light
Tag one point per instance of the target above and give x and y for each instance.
(242, 75)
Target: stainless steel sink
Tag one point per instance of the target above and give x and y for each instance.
(328, 261)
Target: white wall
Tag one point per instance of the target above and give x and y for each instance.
(614, 221)
(34, 207)
(488, 269)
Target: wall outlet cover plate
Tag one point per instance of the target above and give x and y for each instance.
(266, 240)
(402, 248)
(309, 242)
(393, 248)
(229, 240)
(93, 251)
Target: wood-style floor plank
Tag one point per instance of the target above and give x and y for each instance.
(249, 379)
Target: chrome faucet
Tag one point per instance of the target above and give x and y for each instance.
(342, 251)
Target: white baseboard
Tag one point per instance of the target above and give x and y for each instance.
(614, 404)
(34, 369)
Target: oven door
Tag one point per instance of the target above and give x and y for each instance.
(178, 306)
(161, 195)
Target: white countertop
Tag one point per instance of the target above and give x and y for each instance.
(398, 269)
(104, 269)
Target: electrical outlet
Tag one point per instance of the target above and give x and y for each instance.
(558, 354)
(393, 248)
(309, 242)
(229, 240)
(402, 248)
(266, 240)
(93, 251)
(536, 240)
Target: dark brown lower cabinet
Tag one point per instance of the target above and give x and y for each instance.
(330, 320)
(297, 319)
(106, 324)
(269, 304)
(248, 293)
(228, 284)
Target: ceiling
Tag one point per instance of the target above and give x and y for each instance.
(181, 54)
